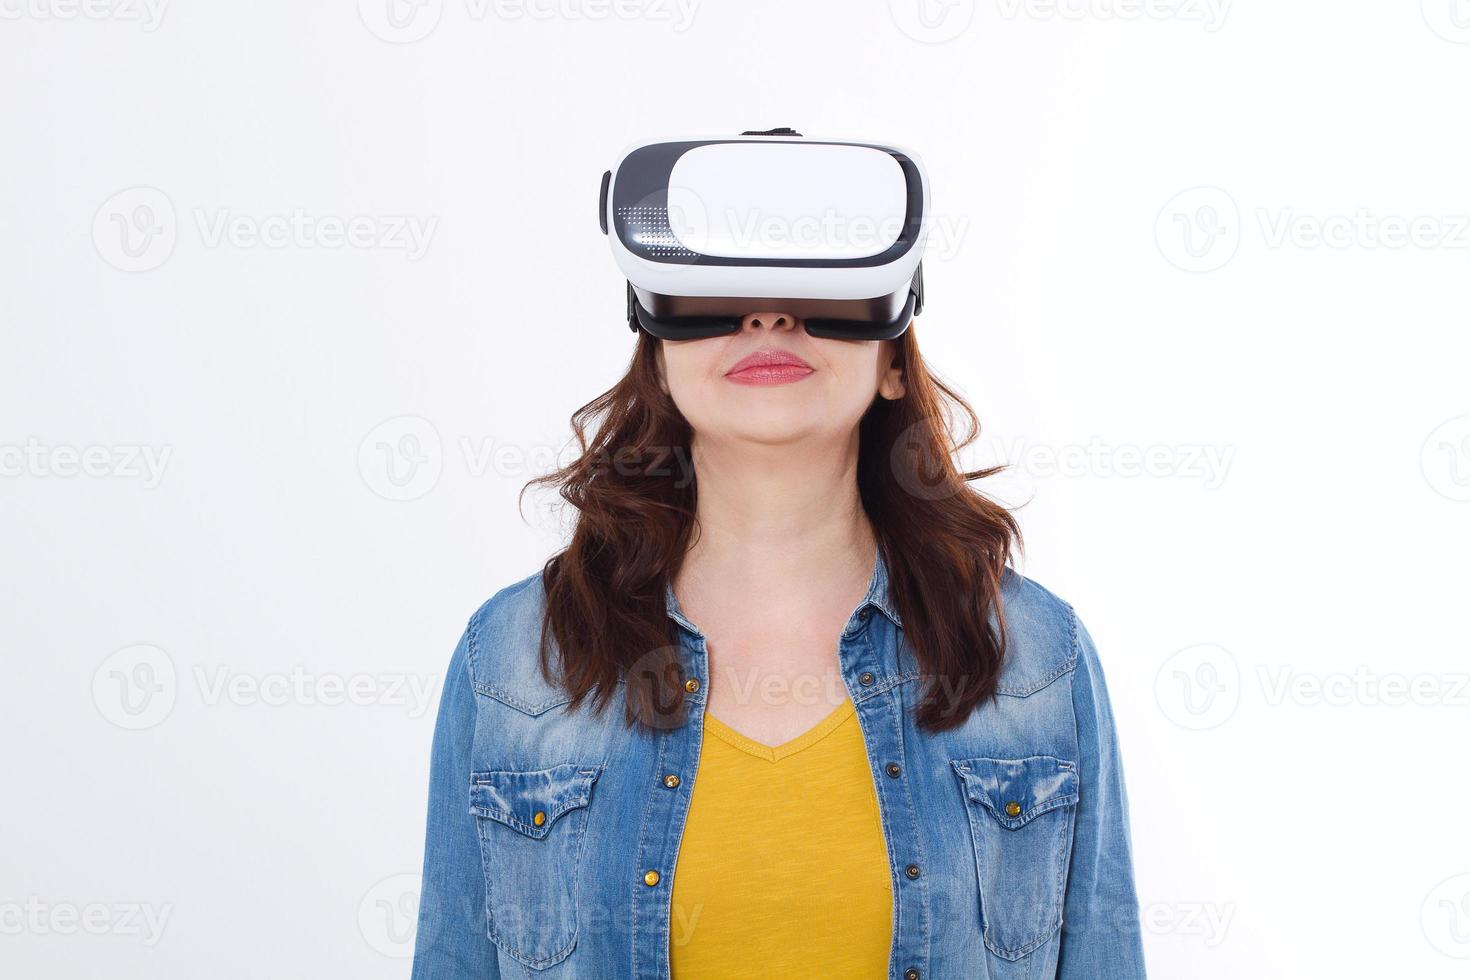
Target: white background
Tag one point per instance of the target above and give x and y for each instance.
(1176, 234)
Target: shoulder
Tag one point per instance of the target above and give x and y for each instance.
(507, 612)
(1043, 636)
(502, 643)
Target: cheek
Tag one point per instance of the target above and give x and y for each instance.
(854, 363)
(690, 371)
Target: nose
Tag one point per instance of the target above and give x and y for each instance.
(775, 321)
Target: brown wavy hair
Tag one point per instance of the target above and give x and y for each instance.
(945, 544)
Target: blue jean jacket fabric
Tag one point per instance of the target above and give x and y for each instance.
(1007, 837)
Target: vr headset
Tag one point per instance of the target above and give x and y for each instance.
(709, 230)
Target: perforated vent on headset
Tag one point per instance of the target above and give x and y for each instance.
(652, 232)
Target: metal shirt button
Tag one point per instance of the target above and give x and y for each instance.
(671, 780)
(650, 878)
(910, 974)
(863, 613)
(692, 684)
(866, 678)
(912, 871)
(892, 769)
(539, 818)
(1013, 809)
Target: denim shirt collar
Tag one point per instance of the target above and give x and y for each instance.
(878, 597)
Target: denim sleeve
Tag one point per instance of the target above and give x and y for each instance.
(1100, 925)
(452, 941)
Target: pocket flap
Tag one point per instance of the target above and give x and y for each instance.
(1015, 790)
(516, 798)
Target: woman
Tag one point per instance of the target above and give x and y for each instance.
(802, 722)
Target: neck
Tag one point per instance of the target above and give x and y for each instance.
(773, 518)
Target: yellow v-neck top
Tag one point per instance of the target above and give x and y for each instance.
(782, 870)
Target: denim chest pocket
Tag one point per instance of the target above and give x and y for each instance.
(1022, 813)
(531, 824)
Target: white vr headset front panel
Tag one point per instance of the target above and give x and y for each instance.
(758, 201)
(768, 216)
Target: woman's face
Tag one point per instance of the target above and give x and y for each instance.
(823, 400)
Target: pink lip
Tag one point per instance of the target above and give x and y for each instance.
(769, 366)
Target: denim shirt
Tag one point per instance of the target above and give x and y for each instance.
(553, 835)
